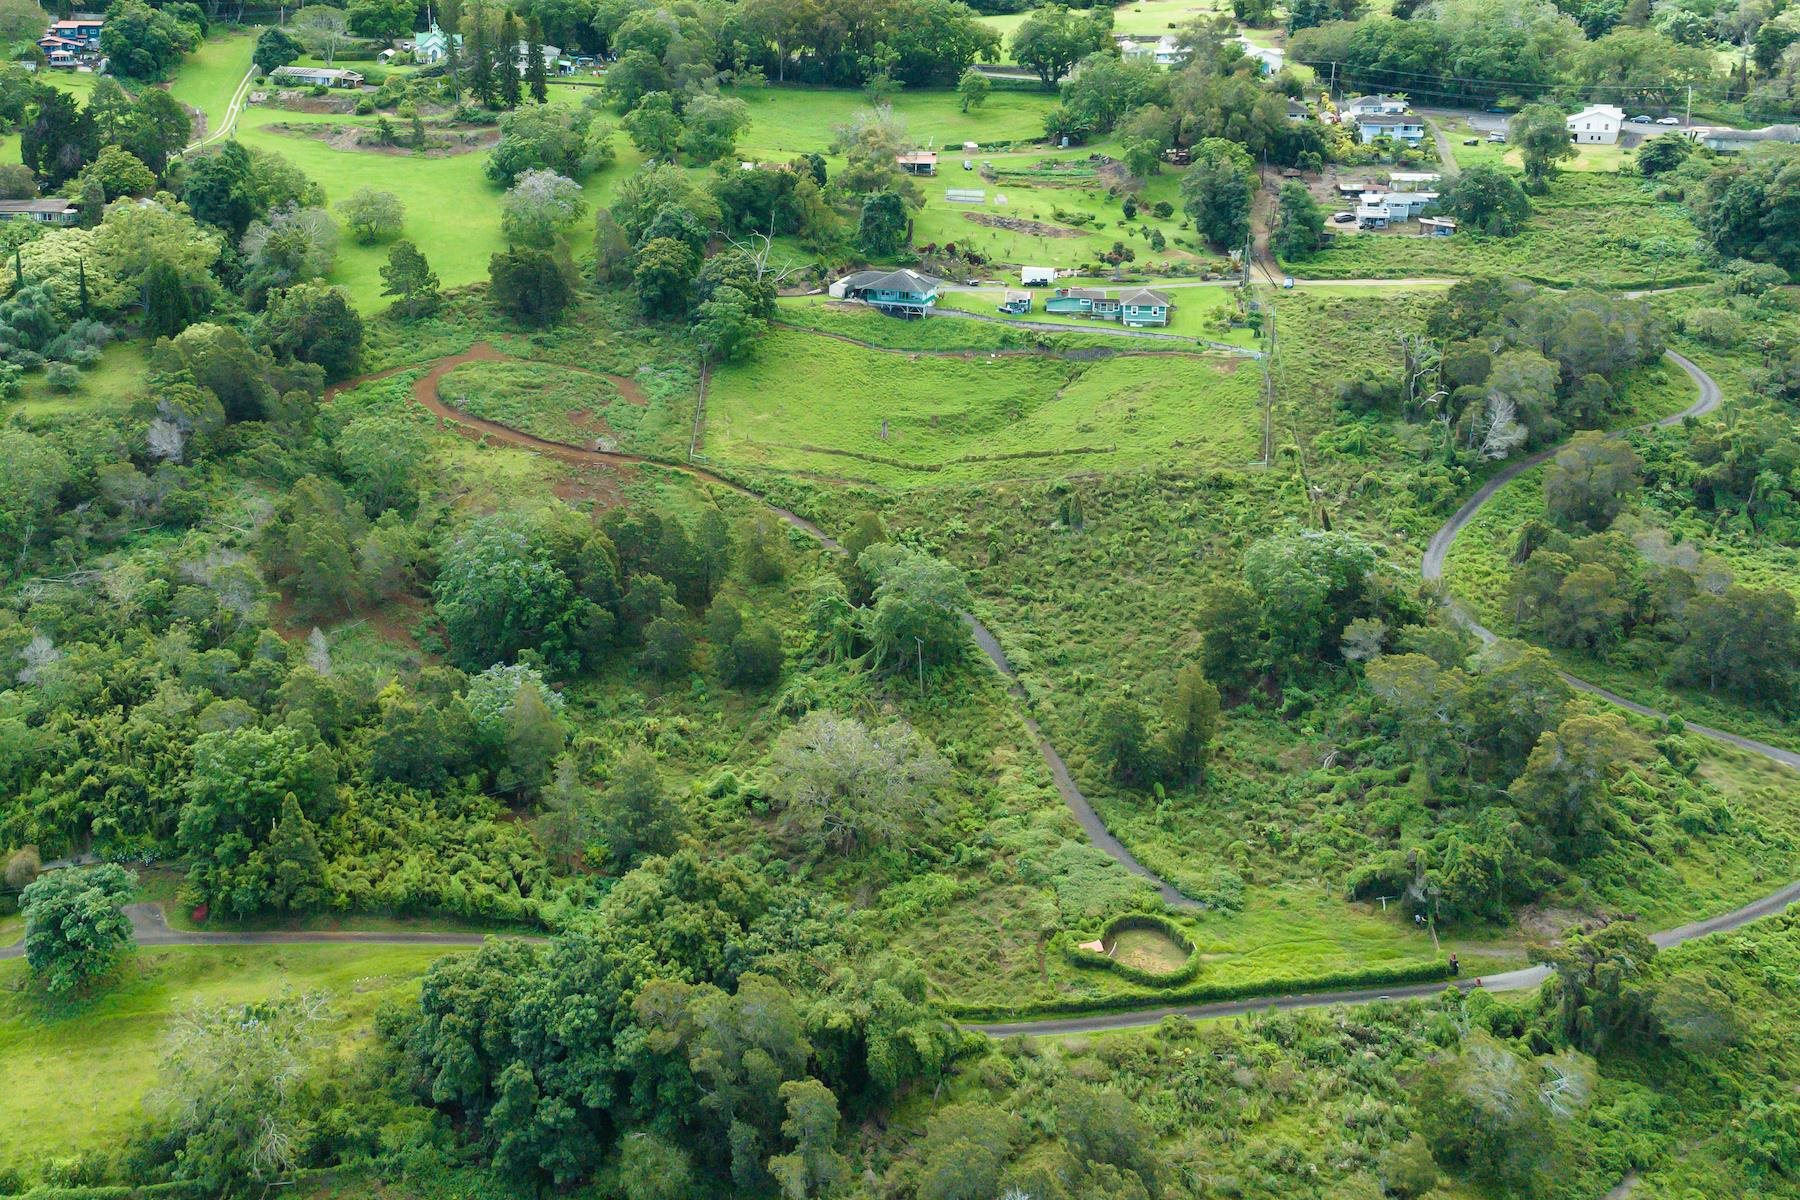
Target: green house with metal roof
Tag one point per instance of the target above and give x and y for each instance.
(901, 293)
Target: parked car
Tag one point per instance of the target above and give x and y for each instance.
(1343, 218)
(1668, 120)
(1287, 281)
(968, 164)
(1471, 141)
(1497, 136)
(1640, 119)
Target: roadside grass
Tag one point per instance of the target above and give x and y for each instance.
(1593, 229)
(77, 1073)
(815, 404)
(210, 75)
(1499, 154)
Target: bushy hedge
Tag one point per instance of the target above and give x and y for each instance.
(1208, 993)
(1152, 921)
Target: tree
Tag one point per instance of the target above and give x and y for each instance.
(753, 657)
(228, 1100)
(1602, 986)
(297, 869)
(1053, 39)
(668, 643)
(1662, 154)
(539, 207)
(381, 20)
(1564, 786)
(846, 788)
(711, 126)
(118, 172)
(381, 456)
(1192, 721)
(654, 127)
(1123, 742)
(664, 277)
(313, 323)
(529, 286)
(75, 925)
(58, 137)
(508, 81)
(1299, 223)
(1217, 196)
(373, 216)
(881, 229)
(322, 29)
(725, 325)
(408, 278)
(918, 603)
(1488, 200)
(636, 816)
(535, 80)
(539, 138)
(973, 89)
(814, 1168)
(1480, 1111)
(22, 21)
(22, 868)
(275, 48)
(534, 741)
(144, 43)
(1593, 479)
(157, 128)
(1541, 132)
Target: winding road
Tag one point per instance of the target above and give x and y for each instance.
(153, 930)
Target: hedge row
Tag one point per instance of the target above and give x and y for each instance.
(1152, 921)
(1207, 993)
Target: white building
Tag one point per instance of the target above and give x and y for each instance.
(1373, 106)
(1596, 125)
(1037, 275)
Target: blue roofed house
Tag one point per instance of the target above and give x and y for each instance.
(898, 293)
(1074, 302)
(1137, 307)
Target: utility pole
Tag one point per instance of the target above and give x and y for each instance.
(921, 642)
(1690, 107)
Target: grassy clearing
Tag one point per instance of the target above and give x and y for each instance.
(558, 403)
(112, 383)
(1593, 229)
(210, 75)
(875, 416)
(1587, 158)
(786, 120)
(1148, 950)
(77, 1074)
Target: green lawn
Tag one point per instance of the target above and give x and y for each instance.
(111, 383)
(1587, 158)
(1196, 313)
(564, 405)
(973, 417)
(210, 75)
(77, 1075)
(786, 121)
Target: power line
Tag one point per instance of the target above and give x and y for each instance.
(1353, 70)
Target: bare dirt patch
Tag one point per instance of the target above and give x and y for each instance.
(1021, 225)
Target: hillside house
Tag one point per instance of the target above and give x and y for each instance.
(1401, 127)
(1016, 303)
(1143, 307)
(1269, 59)
(1404, 206)
(1297, 111)
(1596, 125)
(331, 77)
(1136, 307)
(1382, 105)
(54, 211)
(1165, 51)
(82, 28)
(1413, 179)
(1437, 227)
(900, 293)
(918, 162)
(1372, 215)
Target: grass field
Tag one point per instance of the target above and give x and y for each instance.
(892, 418)
(1587, 158)
(553, 402)
(111, 383)
(1593, 229)
(786, 121)
(77, 1075)
(210, 75)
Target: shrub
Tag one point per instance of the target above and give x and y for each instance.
(62, 377)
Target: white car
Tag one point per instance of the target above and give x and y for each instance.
(1640, 119)
(1668, 120)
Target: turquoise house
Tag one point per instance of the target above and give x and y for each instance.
(1138, 307)
(1144, 307)
(899, 293)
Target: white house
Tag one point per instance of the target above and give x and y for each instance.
(433, 45)
(1165, 51)
(1373, 106)
(1596, 125)
(1401, 126)
(1271, 59)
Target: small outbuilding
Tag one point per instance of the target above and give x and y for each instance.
(1437, 226)
(52, 211)
(918, 162)
(331, 77)
(1016, 303)
(1037, 276)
